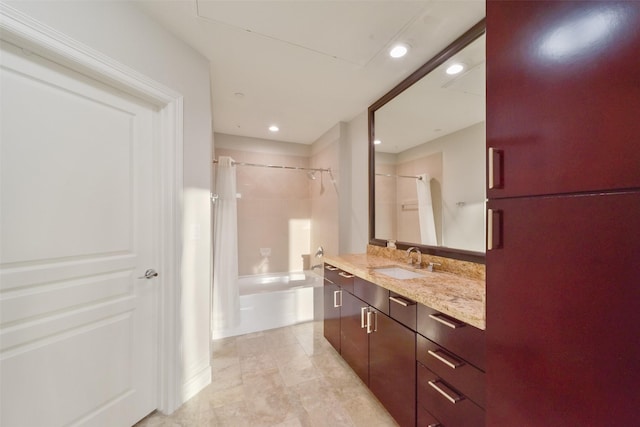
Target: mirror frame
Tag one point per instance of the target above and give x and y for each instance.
(460, 43)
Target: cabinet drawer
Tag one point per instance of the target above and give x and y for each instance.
(403, 310)
(454, 370)
(331, 273)
(459, 338)
(445, 402)
(425, 419)
(339, 277)
(372, 294)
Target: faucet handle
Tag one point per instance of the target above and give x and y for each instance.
(431, 266)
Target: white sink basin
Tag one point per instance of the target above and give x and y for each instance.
(399, 273)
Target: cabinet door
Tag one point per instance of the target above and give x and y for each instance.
(563, 309)
(354, 339)
(332, 302)
(392, 367)
(563, 98)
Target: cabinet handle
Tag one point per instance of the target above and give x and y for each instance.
(446, 321)
(435, 425)
(403, 302)
(496, 163)
(440, 389)
(446, 359)
(330, 268)
(337, 304)
(363, 323)
(345, 275)
(371, 314)
(494, 229)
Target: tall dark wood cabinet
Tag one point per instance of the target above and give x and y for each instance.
(563, 263)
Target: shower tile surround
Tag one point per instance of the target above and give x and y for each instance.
(270, 201)
(456, 289)
(286, 377)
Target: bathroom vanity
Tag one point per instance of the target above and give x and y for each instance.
(415, 337)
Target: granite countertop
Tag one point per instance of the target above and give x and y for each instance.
(456, 296)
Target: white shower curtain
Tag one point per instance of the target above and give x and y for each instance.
(226, 297)
(425, 211)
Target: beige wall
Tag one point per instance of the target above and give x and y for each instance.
(463, 185)
(325, 193)
(356, 209)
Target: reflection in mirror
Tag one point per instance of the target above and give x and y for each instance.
(429, 157)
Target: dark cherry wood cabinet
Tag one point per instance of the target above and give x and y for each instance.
(563, 269)
(332, 304)
(563, 305)
(450, 357)
(379, 341)
(448, 405)
(353, 335)
(392, 367)
(563, 97)
(456, 336)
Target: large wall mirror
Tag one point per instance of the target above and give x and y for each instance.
(427, 155)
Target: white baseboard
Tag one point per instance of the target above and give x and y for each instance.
(196, 383)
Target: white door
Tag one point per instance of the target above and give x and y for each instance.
(78, 334)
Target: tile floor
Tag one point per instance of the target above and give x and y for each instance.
(286, 377)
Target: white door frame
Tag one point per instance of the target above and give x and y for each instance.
(22, 30)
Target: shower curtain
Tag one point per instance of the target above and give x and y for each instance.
(226, 296)
(425, 211)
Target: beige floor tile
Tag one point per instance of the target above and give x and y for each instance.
(286, 377)
(366, 411)
(256, 365)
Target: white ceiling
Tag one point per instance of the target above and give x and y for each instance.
(437, 105)
(307, 65)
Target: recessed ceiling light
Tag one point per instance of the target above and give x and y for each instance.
(377, 141)
(274, 128)
(399, 50)
(455, 68)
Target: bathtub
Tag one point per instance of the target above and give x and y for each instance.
(274, 300)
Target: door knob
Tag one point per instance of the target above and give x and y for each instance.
(150, 273)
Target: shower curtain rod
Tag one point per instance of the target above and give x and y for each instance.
(399, 176)
(279, 167)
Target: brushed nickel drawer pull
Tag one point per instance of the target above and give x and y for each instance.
(453, 365)
(345, 275)
(494, 229)
(403, 302)
(330, 268)
(489, 229)
(363, 323)
(447, 322)
(491, 167)
(453, 399)
(371, 329)
(496, 163)
(337, 304)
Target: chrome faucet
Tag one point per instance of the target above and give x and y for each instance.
(410, 259)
